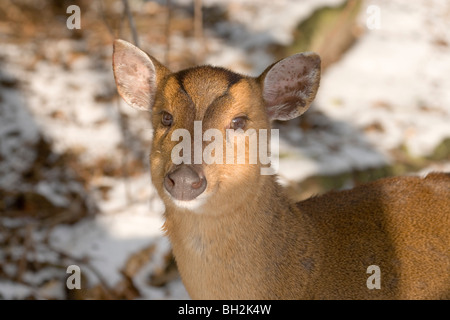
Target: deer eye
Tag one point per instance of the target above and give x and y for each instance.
(238, 122)
(166, 119)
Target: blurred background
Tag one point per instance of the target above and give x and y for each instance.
(74, 175)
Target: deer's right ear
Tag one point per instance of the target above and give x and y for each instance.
(137, 75)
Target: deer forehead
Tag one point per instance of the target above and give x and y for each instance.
(200, 90)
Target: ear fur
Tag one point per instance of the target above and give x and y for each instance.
(137, 75)
(290, 85)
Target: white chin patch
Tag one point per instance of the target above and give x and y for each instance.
(192, 205)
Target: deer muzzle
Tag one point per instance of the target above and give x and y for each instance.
(185, 182)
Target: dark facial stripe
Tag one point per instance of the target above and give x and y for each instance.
(180, 76)
(232, 77)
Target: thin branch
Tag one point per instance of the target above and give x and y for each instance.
(22, 265)
(105, 21)
(122, 121)
(124, 128)
(198, 31)
(169, 18)
(131, 22)
(198, 19)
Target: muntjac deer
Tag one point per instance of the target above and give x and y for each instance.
(234, 232)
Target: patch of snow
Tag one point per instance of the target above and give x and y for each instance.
(12, 290)
(394, 76)
(107, 240)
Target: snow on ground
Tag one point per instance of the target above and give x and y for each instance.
(393, 79)
(389, 90)
(252, 26)
(395, 76)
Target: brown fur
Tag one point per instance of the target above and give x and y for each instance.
(249, 241)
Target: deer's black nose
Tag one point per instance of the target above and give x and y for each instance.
(185, 183)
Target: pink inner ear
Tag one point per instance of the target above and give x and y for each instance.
(291, 85)
(135, 75)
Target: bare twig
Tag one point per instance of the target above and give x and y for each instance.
(168, 27)
(198, 30)
(198, 19)
(102, 13)
(131, 22)
(125, 173)
(122, 121)
(22, 265)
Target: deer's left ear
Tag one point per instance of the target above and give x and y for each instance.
(290, 85)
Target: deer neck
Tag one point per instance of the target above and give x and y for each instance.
(234, 247)
(226, 222)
